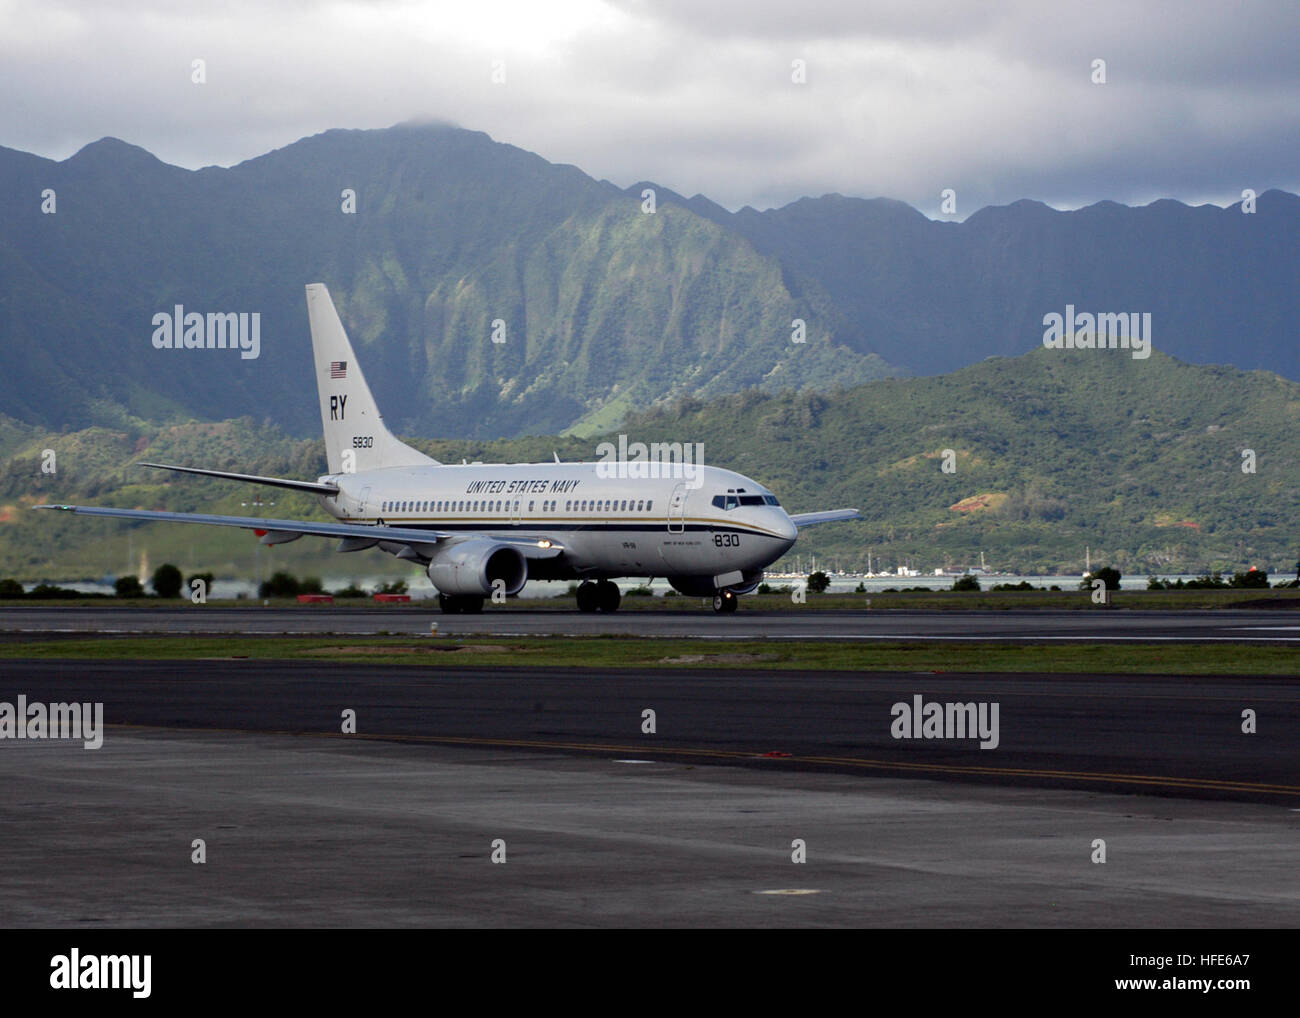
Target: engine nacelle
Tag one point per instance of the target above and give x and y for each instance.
(472, 566)
(749, 584)
(693, 586)
(707, 586)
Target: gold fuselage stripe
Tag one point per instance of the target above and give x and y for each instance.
(658, 525)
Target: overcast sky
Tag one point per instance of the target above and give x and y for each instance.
(994, 100)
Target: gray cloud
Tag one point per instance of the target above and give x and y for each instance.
(994, 101)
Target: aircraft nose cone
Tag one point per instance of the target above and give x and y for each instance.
(786, 528)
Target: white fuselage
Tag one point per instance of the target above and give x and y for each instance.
(715, 523)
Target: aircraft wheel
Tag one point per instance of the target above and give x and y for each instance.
(724, 601)
(588, 596)
(454, 604)
(608, 596)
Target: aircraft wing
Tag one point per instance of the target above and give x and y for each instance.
(802, 520)
(355, 536)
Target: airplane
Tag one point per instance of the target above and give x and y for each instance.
(484, 529)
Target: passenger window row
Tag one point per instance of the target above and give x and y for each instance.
(498, 506)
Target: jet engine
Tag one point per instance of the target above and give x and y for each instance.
(472, 567)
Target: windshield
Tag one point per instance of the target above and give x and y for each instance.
(731, 500)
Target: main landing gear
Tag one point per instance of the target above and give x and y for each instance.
(460, 604)
(724, 601)
(601, 596)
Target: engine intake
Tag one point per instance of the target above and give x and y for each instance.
(472, 567)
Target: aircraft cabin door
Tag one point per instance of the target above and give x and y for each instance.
(362, 499)
(677, 509)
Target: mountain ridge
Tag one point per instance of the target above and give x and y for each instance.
(607, 311)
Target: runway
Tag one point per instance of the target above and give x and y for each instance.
(1085, 626)
(604, 825)
(1162, 735)
(344, 834)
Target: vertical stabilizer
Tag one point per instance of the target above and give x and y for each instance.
(355, 435)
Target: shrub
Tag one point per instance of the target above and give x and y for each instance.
(281, 584)
(1108, 574)
(966, 582)
(125, 586)
(1214, 581)
(167, 581)
(207, 578)
(1253, 579)
(48, 591)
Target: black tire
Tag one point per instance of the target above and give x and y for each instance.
(724, 602)
(588, 597)
(459, 604)
(608, 596)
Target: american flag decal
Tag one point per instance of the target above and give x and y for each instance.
(338, 369)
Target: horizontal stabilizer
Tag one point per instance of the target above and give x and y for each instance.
(274, 482)
(802, 520)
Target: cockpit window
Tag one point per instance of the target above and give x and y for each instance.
(730, 500)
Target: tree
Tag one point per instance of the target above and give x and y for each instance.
(207, 579)
(10, 589)
(1253, 579)
(128, 586)
(167, 581)
(395, 587)
(818, 582)
(966, 582)
(281, 584)
(1109, 574)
